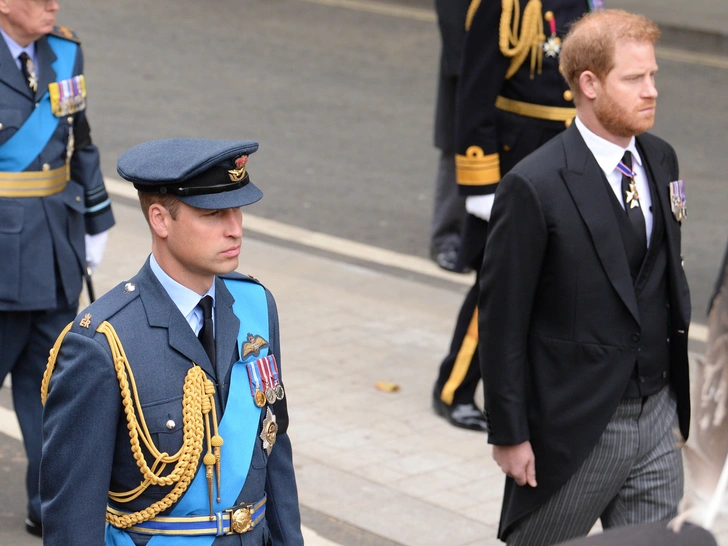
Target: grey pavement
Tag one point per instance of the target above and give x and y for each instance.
(381, 462)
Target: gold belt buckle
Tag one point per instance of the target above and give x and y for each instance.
(241, 519)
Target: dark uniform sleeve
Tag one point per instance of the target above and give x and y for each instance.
(482, 75)
(86, 170)
(282, 511)
(79, 427)
(510, 274)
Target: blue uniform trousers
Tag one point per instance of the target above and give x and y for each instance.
(26, 337)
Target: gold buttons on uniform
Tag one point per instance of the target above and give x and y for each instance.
(568, 95)
(549, 15)
(170, 424)
(506, 148)
(46, 167)
(129, 287)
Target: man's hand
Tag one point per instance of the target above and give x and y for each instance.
(95, 246)
(517, 462)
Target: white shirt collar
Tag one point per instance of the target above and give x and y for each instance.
(185, 299)
(607, 154)
(16, 50)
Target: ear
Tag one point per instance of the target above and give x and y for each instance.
(4, 9)
(159, 219)
(589, 84)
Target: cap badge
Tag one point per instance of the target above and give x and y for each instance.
(238, 173)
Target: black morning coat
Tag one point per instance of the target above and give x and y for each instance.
(558, 318)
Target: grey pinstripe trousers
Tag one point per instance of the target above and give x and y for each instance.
(633, 475)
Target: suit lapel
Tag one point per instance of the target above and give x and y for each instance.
(653, 160)
(226, 330)
(163, 313)
(10, 74)
(46, 74)
(583, 178)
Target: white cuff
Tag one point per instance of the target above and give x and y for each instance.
(480, 205)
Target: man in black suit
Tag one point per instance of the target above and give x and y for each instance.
(584, 305)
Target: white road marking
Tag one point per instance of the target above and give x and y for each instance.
(351, 249)
(322, 241)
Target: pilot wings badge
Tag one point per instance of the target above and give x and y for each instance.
(253, 346)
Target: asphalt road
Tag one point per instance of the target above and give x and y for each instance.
(342, 103)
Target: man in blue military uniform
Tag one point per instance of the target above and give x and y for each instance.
(54, 210)
(511, 100)
(165, 413)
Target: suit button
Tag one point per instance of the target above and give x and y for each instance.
(568, 95)
(1, 126)
(636, 337)
(664, 375)
(642, 378)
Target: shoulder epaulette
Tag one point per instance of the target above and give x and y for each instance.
(65, 33)
(235, 276)
(104, 308)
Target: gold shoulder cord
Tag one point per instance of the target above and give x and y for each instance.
(532, 36)
(197, 403)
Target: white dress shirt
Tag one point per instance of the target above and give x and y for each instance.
(185, 299)
(608, 156)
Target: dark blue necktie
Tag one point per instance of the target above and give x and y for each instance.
(206, 335)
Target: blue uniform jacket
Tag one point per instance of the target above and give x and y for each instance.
(35, 232)
(87, 452)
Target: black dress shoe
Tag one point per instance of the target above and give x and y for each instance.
(33, 527)
(448, 259)
(466, 416)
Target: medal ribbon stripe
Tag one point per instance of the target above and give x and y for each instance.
(626, 171)
(252, 378)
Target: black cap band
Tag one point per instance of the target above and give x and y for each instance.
(213, 180)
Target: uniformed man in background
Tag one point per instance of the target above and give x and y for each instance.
(449, 206)
(511, 100)
(54, 210)
(165, 413)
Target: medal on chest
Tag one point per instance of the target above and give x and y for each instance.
(552, 45)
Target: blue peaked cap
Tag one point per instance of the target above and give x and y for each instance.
(207, 174)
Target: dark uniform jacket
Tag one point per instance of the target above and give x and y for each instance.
(451, 21)
(87, 450)
(490, 140)
(558, 312)
(40, 234)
